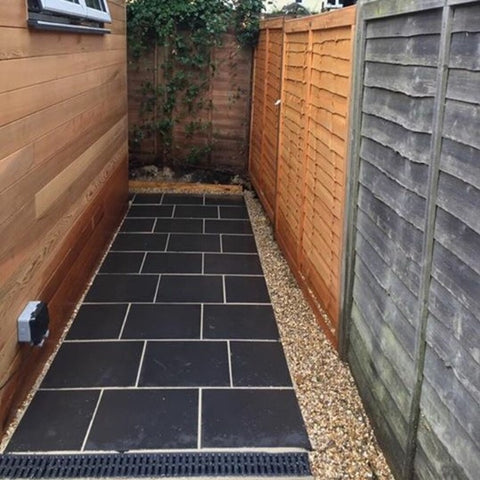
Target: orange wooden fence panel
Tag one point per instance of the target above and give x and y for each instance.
(265, 112)
(310, 157)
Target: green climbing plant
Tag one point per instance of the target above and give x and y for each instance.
(185, 31)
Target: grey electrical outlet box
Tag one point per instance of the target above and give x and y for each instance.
(33, 323)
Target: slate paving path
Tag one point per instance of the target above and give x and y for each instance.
(175, 346)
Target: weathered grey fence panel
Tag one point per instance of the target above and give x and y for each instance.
(450, 401)
(394, 152)
(412, 291)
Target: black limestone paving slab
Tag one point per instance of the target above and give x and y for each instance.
(109, 288)
(179, 225)
(154, 321)
(149, 198)
(233, 264)
(188, 211)
(140, 242)
(239, 321)
(239, 243)
(94, 364)
(236, 200)
(145, 419)
(55, 421)
(190, 288)
(228, 226)
(246, 289)
(182, 199)
(233, 212)
(259, 364)
(150, 211)
(173, 263)
(237, 418)
(180, 242)
(98, 321)
(137, 225)
(185, 364)
(122, 262)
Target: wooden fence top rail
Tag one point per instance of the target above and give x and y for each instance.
(323, 21)
(275, 22)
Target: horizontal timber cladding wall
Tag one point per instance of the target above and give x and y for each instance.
(63, 175)
(412, 311)
(312, 152)
(267, 82)
(225, 115)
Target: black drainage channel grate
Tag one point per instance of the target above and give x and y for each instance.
(154, 465)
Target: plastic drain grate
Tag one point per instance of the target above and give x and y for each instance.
(154, 465)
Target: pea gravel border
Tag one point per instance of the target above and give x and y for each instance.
(344, 446)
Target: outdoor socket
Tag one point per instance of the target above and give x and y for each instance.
(33, 323)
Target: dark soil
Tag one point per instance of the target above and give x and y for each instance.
(181, 174)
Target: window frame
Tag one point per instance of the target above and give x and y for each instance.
(79, 10)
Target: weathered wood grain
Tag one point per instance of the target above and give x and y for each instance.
(406, 203)
(418, 50)
(395, 227)
(440, 373)
(411, 175)
(423, 23)
(463, 85)
(372, 301)
(433, 456)
(463, 366)
(446, 431)
(452, 193)
(412, 113)
(413, 81)
(412, 145)
(457, 277)
(391, 360)
(466, 19)
(387, 411)
(459, 239)
(407, 270)
(464, 51)
(462, 122)
(454, 321)
(403, 298)
(461, 161)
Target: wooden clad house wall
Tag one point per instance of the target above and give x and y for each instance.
(412, 310)
(63, 175)
(298, 154)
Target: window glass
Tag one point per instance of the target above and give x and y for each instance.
(96, 4)
(89, 9)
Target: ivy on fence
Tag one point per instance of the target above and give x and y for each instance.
(185, 31)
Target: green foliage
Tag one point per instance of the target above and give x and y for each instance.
(184, 31)
(247, 21)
